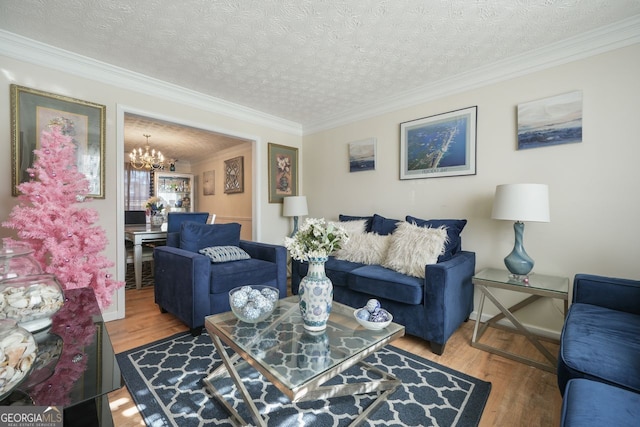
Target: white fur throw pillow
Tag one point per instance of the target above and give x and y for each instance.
(366, 248)
(412, 247)
(352, 227)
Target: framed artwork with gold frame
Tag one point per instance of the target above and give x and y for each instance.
(33, 111)
(283, 172)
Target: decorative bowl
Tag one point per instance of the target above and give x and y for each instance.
(374, 326)
(253, 303)
(31, 300)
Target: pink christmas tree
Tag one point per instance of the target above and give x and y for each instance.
(63, 235)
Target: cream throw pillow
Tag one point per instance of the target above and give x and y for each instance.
(352, 227)
(366, 248)
(412, 247)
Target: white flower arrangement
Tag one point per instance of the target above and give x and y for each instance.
(316, 239)
(154, 205)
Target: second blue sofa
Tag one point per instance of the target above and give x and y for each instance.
(599, 358)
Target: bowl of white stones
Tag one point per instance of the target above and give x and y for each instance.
(253, 303)
(372, 316)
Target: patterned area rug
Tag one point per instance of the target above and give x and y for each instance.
(165, 380)
(147, 276)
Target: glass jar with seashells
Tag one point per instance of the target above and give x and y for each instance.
(17, 260)
(31, 300)
(17, 354)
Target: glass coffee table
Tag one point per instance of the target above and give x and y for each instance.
(298, 362)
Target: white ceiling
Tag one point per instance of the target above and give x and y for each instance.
(307, 61)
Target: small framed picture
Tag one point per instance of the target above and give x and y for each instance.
(439, 146)
(33, 111)
(234, 175)
(209, 183)
(362, 155)
(283, 172)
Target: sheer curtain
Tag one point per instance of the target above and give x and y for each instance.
(136, 188)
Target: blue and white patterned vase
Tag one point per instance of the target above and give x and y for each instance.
(315, 296)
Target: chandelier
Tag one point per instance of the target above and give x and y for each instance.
(148, 159)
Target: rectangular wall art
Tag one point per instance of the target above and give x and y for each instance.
(209, 183)
(362, 155)
(283, 172)
(33, 111)
(234, 175)
(440, 145)
(550, 121)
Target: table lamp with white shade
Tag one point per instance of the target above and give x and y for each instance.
(521, 203)
(294, 206)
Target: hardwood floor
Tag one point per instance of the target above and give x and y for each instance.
(520, 395)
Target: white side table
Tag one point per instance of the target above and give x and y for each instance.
(539, 286)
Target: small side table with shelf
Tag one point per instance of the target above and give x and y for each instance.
(538, 286)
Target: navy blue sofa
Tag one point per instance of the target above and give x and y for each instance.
(431, 308)
(599, 356)
(191, 286)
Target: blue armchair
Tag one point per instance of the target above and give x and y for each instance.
(191, 285)
(599, 357)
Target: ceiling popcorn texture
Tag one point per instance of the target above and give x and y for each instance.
(301, 60)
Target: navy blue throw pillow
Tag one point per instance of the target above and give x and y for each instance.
(195, 236)
(382, 225)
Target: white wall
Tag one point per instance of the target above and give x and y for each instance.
(232, 207)
(594, 185)
(271, 226)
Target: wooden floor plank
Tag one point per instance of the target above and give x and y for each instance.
(520, 396)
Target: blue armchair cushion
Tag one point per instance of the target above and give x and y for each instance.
(591, 403)
(382, 225)
(195, 236)
(224, 253)
(369, 219)
(600, 344)
(454, 228)
(228, 275)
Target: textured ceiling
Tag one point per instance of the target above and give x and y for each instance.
(303, 60)
(175, 141)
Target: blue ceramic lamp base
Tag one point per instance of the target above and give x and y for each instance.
(518, 262)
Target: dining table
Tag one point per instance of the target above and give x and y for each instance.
(139, 235)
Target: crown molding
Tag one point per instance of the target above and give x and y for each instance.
(621, 34)
(28, 50)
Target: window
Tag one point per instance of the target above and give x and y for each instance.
(136, 188)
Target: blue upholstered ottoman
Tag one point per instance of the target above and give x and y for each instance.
(592, 403)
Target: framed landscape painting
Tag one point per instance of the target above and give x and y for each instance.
(550, 121)
(439, 146)
(362, 155)
(33, 111)
(283, 172)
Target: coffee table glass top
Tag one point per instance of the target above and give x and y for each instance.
(294, 356)
(536, 281)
